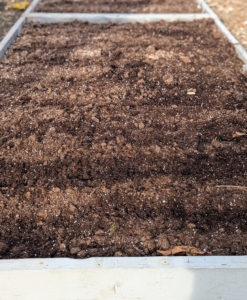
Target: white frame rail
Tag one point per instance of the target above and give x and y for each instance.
(159, 278)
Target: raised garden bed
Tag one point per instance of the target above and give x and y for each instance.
(115, 138)
(119, 6)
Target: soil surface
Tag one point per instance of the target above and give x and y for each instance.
(114, 139)
(234, 14)
(8, 17)
(119, 6)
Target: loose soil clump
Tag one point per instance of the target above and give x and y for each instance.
(119, 6)
(114, 140)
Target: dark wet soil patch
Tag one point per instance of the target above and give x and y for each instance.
(119, 6)
(114, 138)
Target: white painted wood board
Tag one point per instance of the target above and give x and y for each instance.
(160, 262)
(116, 18)
(171, 278)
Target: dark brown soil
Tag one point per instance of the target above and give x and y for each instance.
(114, 138)
(119, 6)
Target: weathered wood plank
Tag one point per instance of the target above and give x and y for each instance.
(159, 262)
(185, 278)
(116, 18)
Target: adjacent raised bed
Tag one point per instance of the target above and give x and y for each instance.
(114, 139)
(233, 14)
(119, 6)
(8, 17)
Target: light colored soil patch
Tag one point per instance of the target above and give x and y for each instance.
(234, 14)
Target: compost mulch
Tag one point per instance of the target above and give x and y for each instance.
(119, 6)
(115, 138)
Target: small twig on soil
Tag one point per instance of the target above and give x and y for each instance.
(94, 191)
(92, 229)
(138, 250)
(232, 187)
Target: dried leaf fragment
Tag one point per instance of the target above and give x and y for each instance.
(21, 5)
(183, 250)
(237, 134)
